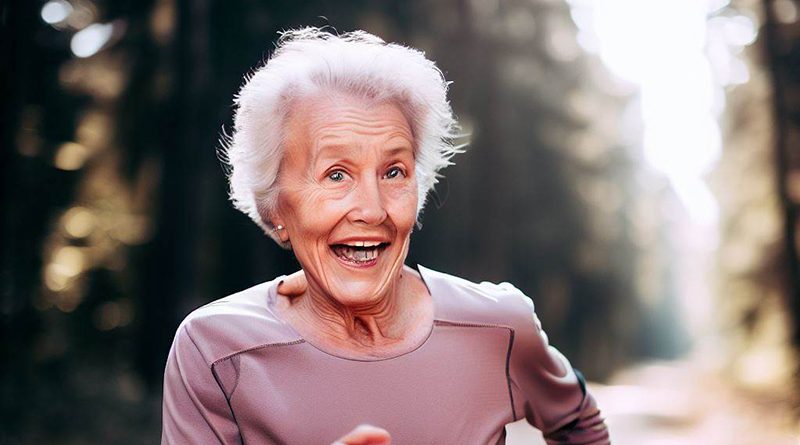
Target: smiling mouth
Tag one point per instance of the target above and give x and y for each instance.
(359, 253)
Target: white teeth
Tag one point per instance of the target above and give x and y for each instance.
(363, 243)
(350, 253)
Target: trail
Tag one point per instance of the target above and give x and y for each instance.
(679, 403)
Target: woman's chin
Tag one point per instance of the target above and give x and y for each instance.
(354, 283)
(359, 290)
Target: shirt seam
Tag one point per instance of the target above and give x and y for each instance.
(511, 334)
(214, 374)
(229, 399)
(253, 348)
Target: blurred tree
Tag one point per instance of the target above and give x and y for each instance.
(756, 283)
(782, 47)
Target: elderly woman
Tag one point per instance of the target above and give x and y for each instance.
(337, 142)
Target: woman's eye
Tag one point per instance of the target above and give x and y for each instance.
(336, 176)
(395, 172)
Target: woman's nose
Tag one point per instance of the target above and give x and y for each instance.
(368, 204)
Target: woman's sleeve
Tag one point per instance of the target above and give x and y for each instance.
(551, 394)
(195, 409)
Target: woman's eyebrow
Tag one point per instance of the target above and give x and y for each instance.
(399, 149)
(397, 142)
(335, 150)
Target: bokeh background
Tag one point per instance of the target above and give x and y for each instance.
(633, 166)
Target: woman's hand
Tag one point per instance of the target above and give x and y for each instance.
(365, 435)
(293, 285)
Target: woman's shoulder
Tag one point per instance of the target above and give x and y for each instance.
(461, 300)
(236, 323)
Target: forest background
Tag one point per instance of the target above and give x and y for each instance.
(632, 166)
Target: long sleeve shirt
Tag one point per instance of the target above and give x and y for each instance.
(237, 373)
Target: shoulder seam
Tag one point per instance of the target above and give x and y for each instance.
(253, 348)
(194, 343)
(216, 378)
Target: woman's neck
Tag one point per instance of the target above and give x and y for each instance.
(394, 320)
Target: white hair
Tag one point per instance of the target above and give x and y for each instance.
(308, 61)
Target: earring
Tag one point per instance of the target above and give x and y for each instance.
(277, 229)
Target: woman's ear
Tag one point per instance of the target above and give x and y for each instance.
(279, 228)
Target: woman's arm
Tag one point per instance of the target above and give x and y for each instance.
(553, 395)
(195, 409)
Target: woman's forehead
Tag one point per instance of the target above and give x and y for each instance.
(341, 126)
(357, 152)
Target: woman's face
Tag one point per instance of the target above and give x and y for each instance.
(348, 195)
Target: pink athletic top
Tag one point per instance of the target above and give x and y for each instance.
(239, 374)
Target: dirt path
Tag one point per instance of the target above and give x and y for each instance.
(677, 404)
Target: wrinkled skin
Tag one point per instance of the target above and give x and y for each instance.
(348, 173)
(348, 177)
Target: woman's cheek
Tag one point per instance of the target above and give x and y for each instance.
(403, 201)
(312, 195)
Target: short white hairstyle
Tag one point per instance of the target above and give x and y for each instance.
(313, 61)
